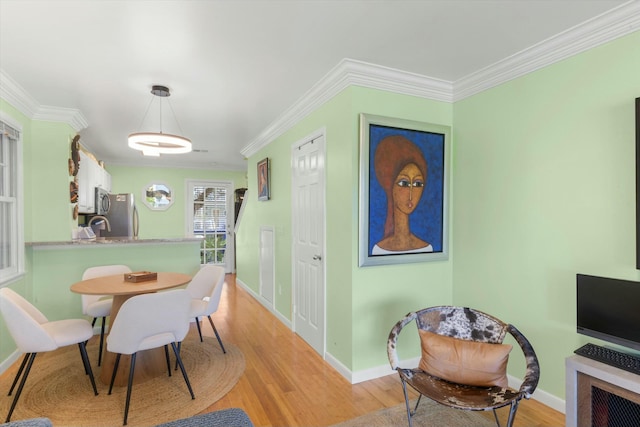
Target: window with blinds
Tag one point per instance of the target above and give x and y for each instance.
(11, 221)
(210, 221)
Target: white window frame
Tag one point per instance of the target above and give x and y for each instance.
(13, 176)
(189, 231)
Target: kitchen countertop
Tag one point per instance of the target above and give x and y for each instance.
(108, 242)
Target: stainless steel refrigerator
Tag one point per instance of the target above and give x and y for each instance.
(122, 216)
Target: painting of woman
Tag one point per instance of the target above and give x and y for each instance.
(403, 186)
(401, 170)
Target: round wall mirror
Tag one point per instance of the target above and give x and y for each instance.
(157, 196)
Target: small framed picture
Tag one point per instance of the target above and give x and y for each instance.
(264, 180)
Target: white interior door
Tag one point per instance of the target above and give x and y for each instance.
(267, 264)
(308, 214)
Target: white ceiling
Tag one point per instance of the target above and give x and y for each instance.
(234, 67)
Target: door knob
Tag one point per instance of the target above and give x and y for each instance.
(317, 257)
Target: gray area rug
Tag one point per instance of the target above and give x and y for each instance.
(429, 414)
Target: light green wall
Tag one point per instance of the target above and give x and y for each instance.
(362, 303)
(48, 217)
(52, 212)
(545, 188)
(171, 222)
(384, 294)
(47, 210)
(542, 188)
(7, 345)
(55, 270)
(543, 168)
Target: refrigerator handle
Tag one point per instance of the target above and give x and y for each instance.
(136, 222)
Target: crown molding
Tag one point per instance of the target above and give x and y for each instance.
(15, 95)
(71, 116)
(19, 98)
(615, 23)
(348, 73)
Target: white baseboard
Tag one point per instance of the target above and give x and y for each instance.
(264, 303)
(550, 400)
(338, 366)
(6, 363)
(356, 377)
(540, 395)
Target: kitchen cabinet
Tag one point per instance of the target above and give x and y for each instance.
(86, 203)
(90, 176)
(102, 178)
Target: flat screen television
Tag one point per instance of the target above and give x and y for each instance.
(609, 309)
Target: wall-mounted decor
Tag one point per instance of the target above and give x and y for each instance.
(264, 180)
(73, 164)
(158, 196)
(73, 191)
(403, 191)
(75, 156)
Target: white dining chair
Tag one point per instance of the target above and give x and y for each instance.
(206, 289)
(99, 306)
(33, 333)
(160, 319)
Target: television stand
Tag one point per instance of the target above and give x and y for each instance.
(600, 394)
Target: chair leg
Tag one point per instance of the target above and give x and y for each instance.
(179, 347)
(131, 370)
(166, 355)
(217, 335)
(22, 381)
(513, 407)
(495, 415)
(87, 365)
(115, 370)
(22, 365)
(199, 330)
(184, 372)
(417, 404)
(512, 413)
(406, 401)
(104, 320)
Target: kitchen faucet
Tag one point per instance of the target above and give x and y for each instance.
(106, 221)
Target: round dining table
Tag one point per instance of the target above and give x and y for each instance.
(149, 363)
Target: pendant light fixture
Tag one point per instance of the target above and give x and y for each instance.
(156, 143)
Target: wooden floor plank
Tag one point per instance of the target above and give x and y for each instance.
(303, 390)
(286, 383)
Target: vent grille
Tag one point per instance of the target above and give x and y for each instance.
(610, 410)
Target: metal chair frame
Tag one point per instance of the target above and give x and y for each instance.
(472, 325)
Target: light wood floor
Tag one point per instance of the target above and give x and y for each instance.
(286, 383)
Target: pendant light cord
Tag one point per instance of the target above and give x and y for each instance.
(145, 116)
(174, 117)
(172, 112)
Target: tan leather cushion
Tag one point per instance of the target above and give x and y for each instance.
(464, 362)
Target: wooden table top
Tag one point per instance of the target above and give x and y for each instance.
(116, 285)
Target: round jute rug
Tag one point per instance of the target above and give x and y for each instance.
(58, 388)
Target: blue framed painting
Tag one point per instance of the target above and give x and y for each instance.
(403, 191)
